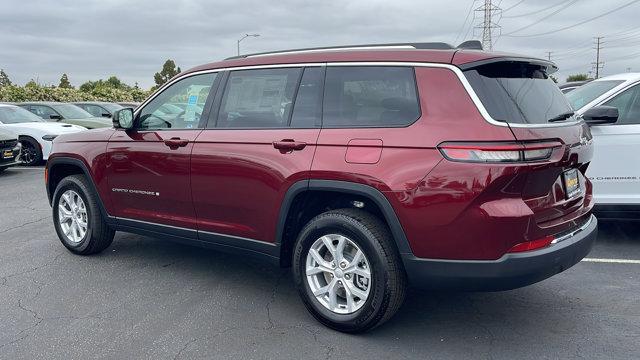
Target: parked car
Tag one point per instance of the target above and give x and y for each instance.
(9, 149)
(612, 105)
(572, 85)
(98, 108)
(35, 135)
(66, 113)
(363, 169)
(132, 105)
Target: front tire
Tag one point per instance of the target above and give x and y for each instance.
(347, 270)
(77, 217)
(31, 153)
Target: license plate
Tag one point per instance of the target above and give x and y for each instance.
(7, 154)
(571, 183)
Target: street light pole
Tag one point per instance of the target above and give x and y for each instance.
(244, 37)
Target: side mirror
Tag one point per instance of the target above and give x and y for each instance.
(601, 115)
(123, 118)
(55, 117)
(107, 115)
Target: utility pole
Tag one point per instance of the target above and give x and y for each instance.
(487, 25)
(549, 55)
(598, 64)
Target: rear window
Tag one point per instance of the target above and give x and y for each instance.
(370, 96)
(589, 92)
(517, 92)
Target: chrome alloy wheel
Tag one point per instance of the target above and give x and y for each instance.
(338, 274)
(72, 216)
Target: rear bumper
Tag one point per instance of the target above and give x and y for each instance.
(509, 272)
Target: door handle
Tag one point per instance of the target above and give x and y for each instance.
(289, 145)
(176, 142)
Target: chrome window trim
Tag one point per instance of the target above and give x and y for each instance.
(456, 70)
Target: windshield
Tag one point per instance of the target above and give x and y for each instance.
(16, 115)
(111, 107)
(518, 92)
(589, 92)
(69, 111)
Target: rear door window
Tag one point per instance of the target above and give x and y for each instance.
(517, 92)
(307, 110)
(370, 96)
(261, 98)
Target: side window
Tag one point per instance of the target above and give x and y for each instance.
(180, 106)
(307, 111)
(628, 104)
(370, 96)
(44, 112)
(258, 98)
(93, 110)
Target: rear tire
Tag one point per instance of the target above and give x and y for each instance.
(385, 288)
(77, 218)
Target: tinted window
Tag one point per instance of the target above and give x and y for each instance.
(180, 106)
(369, 96)
(44, 112)
(628, 104)
(307, 110)
(16, 115)
(258, 98)
(69, 111)
(518, 93)
(590, 91)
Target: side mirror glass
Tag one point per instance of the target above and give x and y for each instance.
(601, 115)
(123, 118)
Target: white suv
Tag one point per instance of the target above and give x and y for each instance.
(615, 168)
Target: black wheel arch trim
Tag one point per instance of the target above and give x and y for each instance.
(51, 163)
(346, 187)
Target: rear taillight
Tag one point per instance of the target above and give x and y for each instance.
(532, 245)
(498, 151)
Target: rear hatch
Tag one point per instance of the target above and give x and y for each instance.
(520, 94)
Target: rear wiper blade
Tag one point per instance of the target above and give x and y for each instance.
(562, 117)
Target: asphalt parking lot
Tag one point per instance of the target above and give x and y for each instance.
(148, 298)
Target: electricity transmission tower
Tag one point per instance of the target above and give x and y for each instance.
(489, 13)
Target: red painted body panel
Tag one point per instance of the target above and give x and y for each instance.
(90, 148)
(148, 181)
(239, 179)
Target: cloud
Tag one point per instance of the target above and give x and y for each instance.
(131, 39)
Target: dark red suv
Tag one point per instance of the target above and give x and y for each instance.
(364, 168)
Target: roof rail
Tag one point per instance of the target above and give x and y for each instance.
(470, 44)
(427, 45)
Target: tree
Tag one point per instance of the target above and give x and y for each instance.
(31, 84)
(64, 82)
(4, 79)
(577, 77)
(168, 71)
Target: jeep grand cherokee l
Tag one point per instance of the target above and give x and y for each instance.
(364, 169)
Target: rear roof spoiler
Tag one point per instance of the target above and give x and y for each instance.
(550, 66)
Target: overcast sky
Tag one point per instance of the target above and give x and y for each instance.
(131, 39)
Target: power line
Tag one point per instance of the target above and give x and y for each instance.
(580, 23)
(465, 22)
(512, 6)
(544, 18)
(537, 11)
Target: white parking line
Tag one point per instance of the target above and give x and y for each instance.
(26, 168)
(612, 261)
